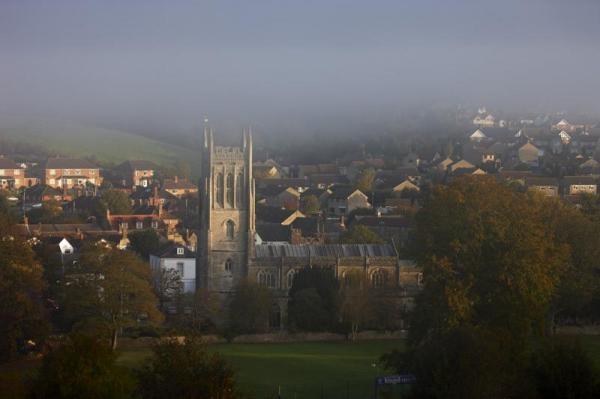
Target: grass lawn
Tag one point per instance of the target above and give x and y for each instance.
(302, 370)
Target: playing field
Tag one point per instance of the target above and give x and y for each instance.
(300, 370)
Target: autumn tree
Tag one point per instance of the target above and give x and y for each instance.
(355, 301)
(22, 314)
(490, 259)
(82, 367)
(365, 179)
(358, 234)
(116, 201)
(113, 288)
(311, 204)
(186, 370)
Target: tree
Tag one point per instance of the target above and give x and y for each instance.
(22, 314)
(111, 287)
(355, 307)
(82, 367)
(313, 300)
(358, 234)
(365, 179)
(462, 363)
(49, 212)
(117, 201)
(186, 370)
(562, 369)
(490, 256)
(168, 286)
(311, 204)
(205, 311)
(249, 309)
(144, 242)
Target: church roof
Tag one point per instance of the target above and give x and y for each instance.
(325, 250)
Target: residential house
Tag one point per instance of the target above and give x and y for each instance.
(179, 187)
(137, 173)
(548, 186)
(179, 259)
(282, 216)
(67, 173)
(487, 121)
(575, 185)
(282, 197)
(345, 199)
(12, 176)
(529, 154)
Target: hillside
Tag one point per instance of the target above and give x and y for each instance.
(105, 144)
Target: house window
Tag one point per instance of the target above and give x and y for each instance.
(230, 229)
(180, 268)
(123, 225)
(180, 251)
(220, 190)
(266, 279)
(17, 172)
(228, 265)
(52, 172)
(230, 190)
(155, 224)
(139, 225)
(379, 278)
(1, 172)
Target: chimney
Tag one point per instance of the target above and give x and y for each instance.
(176, 179)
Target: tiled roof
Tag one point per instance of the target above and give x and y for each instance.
(171, 252)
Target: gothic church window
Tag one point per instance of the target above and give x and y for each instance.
(290, 278)
(230, 190)
(379, 278)
(228, 265)
(230, 229)
(220, 189)
(266, 279)
(239, 190)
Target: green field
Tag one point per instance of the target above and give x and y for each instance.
(332, 370)
(301, 370)
(72, 139)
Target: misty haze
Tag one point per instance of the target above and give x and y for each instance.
(285, 199)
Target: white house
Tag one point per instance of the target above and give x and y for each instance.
(180, 259)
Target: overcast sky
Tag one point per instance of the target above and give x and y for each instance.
(168, 63)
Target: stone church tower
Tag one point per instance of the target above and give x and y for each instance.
(226, 242)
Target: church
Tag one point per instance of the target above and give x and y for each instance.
(228, 253)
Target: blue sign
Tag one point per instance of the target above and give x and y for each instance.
(396, 379)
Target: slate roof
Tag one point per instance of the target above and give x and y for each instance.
(271, 214)
(326, 250)
(273, 232)
(341, 192)
(171, 252)
(69, 163)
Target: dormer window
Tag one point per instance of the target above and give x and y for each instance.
(180, 251)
